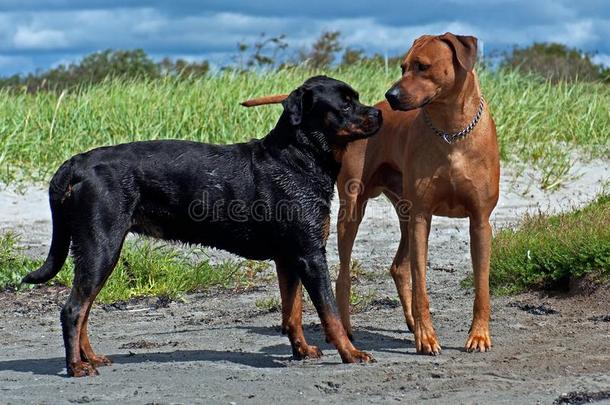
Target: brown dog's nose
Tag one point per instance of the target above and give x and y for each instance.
(392, 96)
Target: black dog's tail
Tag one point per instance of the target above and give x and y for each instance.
(59, 190)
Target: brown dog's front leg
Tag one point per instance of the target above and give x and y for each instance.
(292, 310)
(426, 341)
(313, 272)
(350, 215)
(480, 250)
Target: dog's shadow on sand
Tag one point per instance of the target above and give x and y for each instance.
(56, 365)
(274, 356)
(367, 339)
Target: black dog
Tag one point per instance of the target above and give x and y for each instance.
(265, 199)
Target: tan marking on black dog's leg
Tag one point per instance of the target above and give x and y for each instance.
(336, 335)
(292, 310)
(86, 351)
(90, 273)
(72, 318)
(313, 272)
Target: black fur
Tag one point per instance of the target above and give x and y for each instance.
(207, 194)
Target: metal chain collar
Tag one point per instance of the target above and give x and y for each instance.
(456, 136)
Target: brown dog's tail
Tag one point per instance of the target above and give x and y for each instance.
(275, 99)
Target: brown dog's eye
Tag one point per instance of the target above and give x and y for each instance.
(420, 67)
(403, 69)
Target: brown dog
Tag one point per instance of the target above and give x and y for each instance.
(424, 174)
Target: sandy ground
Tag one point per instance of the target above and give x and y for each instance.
(220, 348)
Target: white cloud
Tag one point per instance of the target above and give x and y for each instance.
(29, 38)
(602, 59)
(50, 33)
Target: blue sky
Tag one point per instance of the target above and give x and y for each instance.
(37, 34)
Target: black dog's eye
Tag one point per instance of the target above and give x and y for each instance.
(346, 107)
(420, 67)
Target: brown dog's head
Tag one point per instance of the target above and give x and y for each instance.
(434, 68)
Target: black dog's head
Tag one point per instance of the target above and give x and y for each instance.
(330, 107)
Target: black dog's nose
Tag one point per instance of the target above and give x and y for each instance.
(392, 95)
(375, 113)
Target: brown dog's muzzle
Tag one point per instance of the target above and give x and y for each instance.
(398, 100)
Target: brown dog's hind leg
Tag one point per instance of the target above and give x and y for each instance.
(401, 270)
(479, 338)
(292, 310)
(350, 216)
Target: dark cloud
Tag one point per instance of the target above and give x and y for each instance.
(38, 33)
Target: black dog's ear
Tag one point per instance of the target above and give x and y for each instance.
(464, 48)
(297, 104)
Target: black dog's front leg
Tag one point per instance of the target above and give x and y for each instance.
(292, 311)
(313, 272)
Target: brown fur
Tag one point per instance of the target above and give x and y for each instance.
(423, 176)
(457, 180)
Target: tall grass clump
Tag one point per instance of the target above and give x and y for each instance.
(538, 122)
(549, 251)
(145, 268)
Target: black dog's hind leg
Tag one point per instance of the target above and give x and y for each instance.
(86, 351)
(292, 311)
(313, 272)
(96, 248)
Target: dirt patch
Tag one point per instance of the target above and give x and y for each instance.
(385, 303)
(600, 318)
(228, 350)
(40, 300)
(541, 309)
(144, 344)
(577, 398)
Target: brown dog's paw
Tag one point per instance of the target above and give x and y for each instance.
(307, 352)
(100, 360)
(478, 340)
(82, 369)
(426, 341)
(357, 356)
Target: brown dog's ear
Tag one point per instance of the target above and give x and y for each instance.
(296, 104)
(464, 48)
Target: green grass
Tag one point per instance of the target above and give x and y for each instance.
(547, 251)
(538, 122)
(271, 304)
(145, 268)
